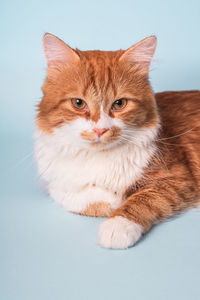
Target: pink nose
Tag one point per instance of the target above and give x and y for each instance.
(100, 131)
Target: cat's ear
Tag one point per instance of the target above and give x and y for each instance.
(57, 51)
(141, 53)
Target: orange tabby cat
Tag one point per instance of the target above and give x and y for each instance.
(106, 145)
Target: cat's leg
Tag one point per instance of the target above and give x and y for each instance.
(90, 201)
(145, 208)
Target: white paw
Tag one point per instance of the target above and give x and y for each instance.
(119, 233)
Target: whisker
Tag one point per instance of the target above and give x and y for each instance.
(21, 161)
(162, 140)
(44, 171)
(158, 155)
(171, 137)
(173, 144)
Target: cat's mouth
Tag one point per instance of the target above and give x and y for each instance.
(110, 136)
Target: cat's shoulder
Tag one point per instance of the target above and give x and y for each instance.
(179, 111)
(180, 104)
(176, 97)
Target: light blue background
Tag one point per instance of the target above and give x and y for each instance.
(46, 253)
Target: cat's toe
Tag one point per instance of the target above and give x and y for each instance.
(119, 233)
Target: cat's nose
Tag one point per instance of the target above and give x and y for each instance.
(100, 131)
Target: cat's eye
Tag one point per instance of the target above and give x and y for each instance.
(79, 103)
(119, 104)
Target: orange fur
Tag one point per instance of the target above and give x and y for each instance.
(97, 209)
(171, 183)
(99, 77)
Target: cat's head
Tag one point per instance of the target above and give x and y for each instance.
(98, 99)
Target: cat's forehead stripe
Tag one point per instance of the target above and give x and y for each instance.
(99, 78)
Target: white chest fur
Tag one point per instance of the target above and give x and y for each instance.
(78, 178)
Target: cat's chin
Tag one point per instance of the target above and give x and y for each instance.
(100, 146)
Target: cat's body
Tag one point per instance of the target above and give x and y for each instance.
(143, 174)
(90, 177)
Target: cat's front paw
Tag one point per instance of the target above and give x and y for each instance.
(119, 233)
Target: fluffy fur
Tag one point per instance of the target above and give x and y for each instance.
(143, 167)
(119, 233)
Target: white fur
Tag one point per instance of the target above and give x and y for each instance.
(77, 174)
(79, 201)
(119, 233)
(106, 121)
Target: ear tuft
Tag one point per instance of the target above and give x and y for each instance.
(141, 53)
(57, 51)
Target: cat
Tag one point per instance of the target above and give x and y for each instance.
(107, 146)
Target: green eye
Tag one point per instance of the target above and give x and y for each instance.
(79, 103)
(119, 104)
